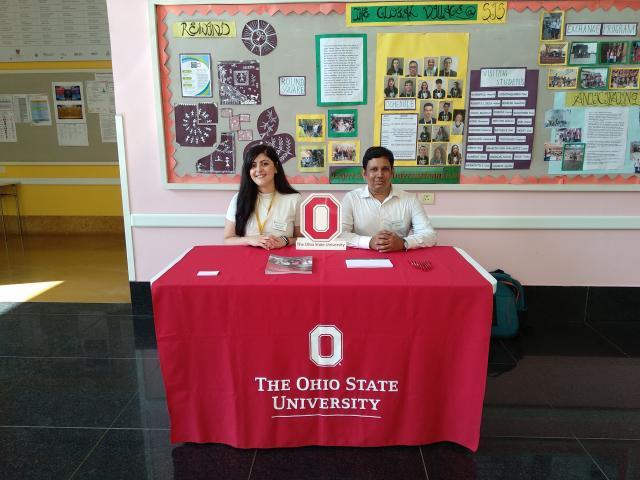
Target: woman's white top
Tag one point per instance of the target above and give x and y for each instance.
(284, 214)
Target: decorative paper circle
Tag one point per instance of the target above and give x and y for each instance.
(259, 37)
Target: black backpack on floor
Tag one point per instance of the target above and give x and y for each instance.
(508, 304)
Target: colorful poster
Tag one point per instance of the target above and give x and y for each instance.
(195, 75)
(40, 112)
(420, 96)
(69, 106)
(501, 120)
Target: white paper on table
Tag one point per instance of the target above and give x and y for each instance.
(208, 273)
(369, 263)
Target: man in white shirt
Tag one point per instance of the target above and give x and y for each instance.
(381, 217)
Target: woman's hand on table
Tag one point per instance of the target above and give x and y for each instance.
(268, 242)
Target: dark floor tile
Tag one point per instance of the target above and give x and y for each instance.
(586, 382)
(207, 461)
(141, 298)
(614, 304)
(553, 305)
(521, 421)
(66, 392)
(77, 335)
(511, 459)
(562, 339)
(620, 460)
(339, 463)
(37, 453)
(149, 408)
(624, 335)
(598, 422)
(63, 308)
(130, 454)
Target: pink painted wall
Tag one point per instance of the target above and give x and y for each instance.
(536, 257)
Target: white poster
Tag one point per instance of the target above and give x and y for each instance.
(399, 133)
(39, 110)
(7, 126)
(605, 137)
(73, 135)
(108, 128)
(97, 97)
(6, 103)
(195, 75)
(21, 109)
(68, 102)
(342, 68)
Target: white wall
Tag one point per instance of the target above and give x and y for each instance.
(525, 234)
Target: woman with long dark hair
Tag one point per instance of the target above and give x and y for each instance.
(266, 210)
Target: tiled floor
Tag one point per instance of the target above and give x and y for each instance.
(81, 394)
(81, 397)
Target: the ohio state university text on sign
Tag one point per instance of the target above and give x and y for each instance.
(315, 336)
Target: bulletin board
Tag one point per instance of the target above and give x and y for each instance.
(230, 76)
(40, 143)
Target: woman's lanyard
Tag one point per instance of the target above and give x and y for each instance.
(257, 214)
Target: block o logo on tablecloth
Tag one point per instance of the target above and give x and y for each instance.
(321, 219)
(315, 338)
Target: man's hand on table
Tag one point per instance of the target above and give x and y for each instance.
(386, 241)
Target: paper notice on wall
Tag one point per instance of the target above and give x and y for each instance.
(342, 71)
(108, 128)
(39, 110)
(97, 97)
(73, 135)
(605, 137)
(399, 133)
(21, 109)
(7, 126)
(6, 103)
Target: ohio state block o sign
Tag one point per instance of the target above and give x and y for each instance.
(321, 219)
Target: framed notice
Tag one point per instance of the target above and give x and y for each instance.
(341, 69)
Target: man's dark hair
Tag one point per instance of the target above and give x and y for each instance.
(439, 80)
(377, 152)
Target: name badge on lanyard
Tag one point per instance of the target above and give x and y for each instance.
(281, 226)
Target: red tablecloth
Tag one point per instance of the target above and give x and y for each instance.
(236, 362)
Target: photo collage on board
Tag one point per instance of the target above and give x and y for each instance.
(437, 91)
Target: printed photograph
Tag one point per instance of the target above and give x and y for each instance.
(454, 88)
(557, 118)
(311, 158)
(390, 87)
(454, 157)
(563, 78)
(613, 52)
(440, 133)
(573, 157)
(424, 89)
(68, 93)
(594, 78)
(438, 154)
(424, 133)
(583, 53)
(345, 152)
(408, 88)
(430, 67)
(445, 113)
(448, 67)
(553, 53)
(422, 157)
(457, 127)
(343, 123)
(552, 152)
(623, 78)
(69, 111)
(395, 66)
(310, 128)
(635, 157)
(413, 68)
(568, 135)
(634, 56)
(551, 25)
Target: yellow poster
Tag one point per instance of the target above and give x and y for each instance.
(420, 91)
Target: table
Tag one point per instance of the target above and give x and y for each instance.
(403, 352)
